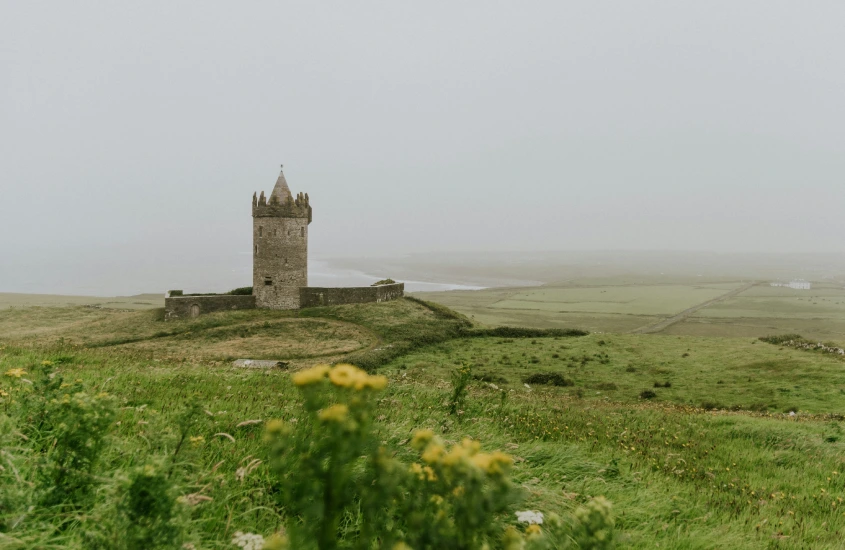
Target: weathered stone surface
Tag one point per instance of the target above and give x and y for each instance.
(260, 364)
(186, 307)
(317, 296)
(280, 247)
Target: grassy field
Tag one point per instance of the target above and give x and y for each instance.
(710, 459)
(623, 304)
(141, 301)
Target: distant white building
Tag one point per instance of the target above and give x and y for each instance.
(797, 284)
(800, 284)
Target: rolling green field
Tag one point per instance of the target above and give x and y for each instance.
(625, 304)
(690, 437)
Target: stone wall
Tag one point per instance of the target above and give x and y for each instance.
(280, 261)
(187, 307)
(317, 296)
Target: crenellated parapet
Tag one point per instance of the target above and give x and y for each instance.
(281, 204)
(298, 208)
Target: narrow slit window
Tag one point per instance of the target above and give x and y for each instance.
(301, 231)
(260, 231)
(268, 281)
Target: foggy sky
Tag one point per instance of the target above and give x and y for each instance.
(140, 130)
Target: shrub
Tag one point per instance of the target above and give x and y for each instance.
(548, 379)
(242, 291)
(783, 339)
(525, 332)
(75, 438)
(387, 281)
(460, 380)
(663, 385)
(647, 394)
(342, 489)
(607, 386)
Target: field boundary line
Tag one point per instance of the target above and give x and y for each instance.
(666, 323)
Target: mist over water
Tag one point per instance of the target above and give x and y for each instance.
(120, 273)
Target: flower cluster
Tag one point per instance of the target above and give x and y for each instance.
(342, 376)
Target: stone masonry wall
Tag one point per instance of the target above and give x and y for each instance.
(317, 296)
(280, 261)
(187, 307)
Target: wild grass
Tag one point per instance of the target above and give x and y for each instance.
(679, 476)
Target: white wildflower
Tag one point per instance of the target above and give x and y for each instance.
(531, 517)
(527, 386)
(248, 541)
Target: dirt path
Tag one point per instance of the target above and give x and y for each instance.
(666, 323)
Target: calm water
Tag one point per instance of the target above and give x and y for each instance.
(119, 273)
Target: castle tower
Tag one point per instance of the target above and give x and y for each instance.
(280, 247)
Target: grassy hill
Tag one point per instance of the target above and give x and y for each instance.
(712, 458)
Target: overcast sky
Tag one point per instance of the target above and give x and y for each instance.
(143, 128)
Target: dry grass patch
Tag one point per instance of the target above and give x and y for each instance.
(281, 339)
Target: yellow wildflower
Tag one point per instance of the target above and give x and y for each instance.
(421, 439)
(275, 427)
(197, 440)
(417, 469)
(512, 540)
(455, 456)
(429, 474)
(346, 376)
(4, 394)
(314, 375)
(17, 373)
(437, 500)
(433, 453)
(458, 491)
(401, 546)
(533, 530)
(335, 413)
(277, 541)
(377, 383)
(46, 363)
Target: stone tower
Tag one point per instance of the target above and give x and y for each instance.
(280, 246)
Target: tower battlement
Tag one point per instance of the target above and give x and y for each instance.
(280, 246)
(299, 207)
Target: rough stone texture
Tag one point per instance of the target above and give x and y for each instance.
(317, 296)
(280, 247)
(260, 364)
(186, 307)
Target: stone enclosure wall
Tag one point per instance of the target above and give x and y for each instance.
(316, 296)
(186, 307)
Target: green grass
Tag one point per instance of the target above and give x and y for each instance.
(624, 304)
(679, 476)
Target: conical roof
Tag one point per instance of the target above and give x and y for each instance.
(281, 190)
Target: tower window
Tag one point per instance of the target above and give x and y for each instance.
(260, 231)
(286, 261)
(301, 231)
(268, 281)
(256, 249)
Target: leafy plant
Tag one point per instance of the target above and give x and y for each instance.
(460, 380)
